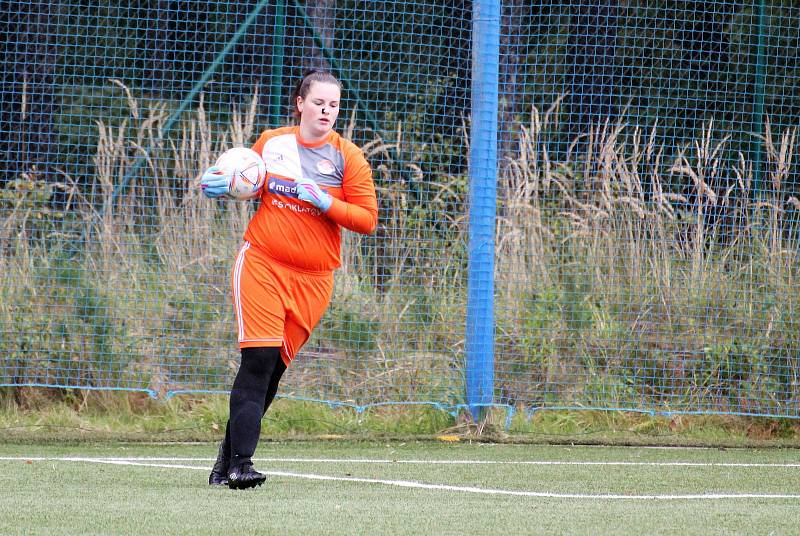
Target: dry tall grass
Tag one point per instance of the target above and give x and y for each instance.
(643, 295)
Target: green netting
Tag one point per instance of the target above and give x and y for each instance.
(645, 240)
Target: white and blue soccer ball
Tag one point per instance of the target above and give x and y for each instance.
(248, 172)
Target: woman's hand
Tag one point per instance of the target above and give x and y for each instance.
(309, 191)
(215, 182)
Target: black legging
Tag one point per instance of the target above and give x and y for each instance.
(253, 391)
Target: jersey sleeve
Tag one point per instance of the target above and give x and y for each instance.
(358, 208)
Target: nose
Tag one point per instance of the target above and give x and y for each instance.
(324, 110)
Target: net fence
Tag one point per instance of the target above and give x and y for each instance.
(644, 245)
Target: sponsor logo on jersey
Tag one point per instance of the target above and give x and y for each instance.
(294, 207)
(281, 187)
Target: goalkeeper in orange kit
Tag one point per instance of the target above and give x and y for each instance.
(282, 280)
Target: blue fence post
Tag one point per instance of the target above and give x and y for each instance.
(482, 205)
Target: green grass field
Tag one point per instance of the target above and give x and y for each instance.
(336, 487)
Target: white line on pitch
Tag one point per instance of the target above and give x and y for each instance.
(467, 489)
(420, 462)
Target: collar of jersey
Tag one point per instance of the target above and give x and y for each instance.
(320, 143)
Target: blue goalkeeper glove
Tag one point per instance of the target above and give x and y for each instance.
(307, 190)
(215, 183)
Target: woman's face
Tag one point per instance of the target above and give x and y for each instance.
(318, 110)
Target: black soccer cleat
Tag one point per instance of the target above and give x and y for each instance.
(219, 473)
(244, 477)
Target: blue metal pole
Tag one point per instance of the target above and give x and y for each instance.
(482, 205)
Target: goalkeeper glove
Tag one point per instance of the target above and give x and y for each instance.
(215, 182)
(307, 190)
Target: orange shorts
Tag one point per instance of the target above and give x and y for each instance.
(275, 304)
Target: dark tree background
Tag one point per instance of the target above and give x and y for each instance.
(30, 61)
(594, 70)
(677, 64)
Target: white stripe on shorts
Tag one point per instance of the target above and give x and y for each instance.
(237, 298)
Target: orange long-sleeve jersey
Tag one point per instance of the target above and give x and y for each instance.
(294, 232)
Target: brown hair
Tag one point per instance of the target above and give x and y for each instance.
(304, 85)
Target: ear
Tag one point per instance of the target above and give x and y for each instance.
(299, 104)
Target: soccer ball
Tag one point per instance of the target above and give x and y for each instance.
(248, 170)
